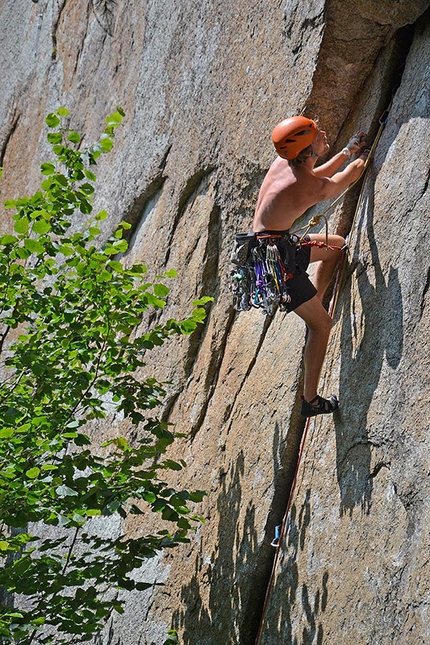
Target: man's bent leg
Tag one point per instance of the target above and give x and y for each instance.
(327, 258)
(319, 325)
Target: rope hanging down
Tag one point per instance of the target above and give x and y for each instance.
(280, 530)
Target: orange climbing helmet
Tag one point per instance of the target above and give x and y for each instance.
(293, 135)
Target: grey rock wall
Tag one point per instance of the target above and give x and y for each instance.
(202, 85)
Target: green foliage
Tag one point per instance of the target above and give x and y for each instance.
(77, 356)
(173, 638)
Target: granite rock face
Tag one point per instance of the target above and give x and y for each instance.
(202, 85)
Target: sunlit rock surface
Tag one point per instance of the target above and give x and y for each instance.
(202, 85)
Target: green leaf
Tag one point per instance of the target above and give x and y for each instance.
(115, 118)
(85, 207)
(90, 175)
(66, 249)
(62, 111)
(6, 433)
(54, 137)
(61, 179)
(87, 189)
(47, 168)
(74, 137)
(41, 227)
(32, 473)
(21, 226)
(52, 120)
(106, 143)
(173, 638)
(202, 301)
(161, 290)
(104, 276)
(33, 246)
(7, 239)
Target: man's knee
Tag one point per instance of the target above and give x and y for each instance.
(337, 243)
(322, 324)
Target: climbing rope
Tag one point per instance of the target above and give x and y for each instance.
(280, 530)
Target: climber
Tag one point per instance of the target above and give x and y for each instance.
(292, 185)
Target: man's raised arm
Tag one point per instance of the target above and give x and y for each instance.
(356, 143)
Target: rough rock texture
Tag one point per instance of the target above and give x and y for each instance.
(202, 85)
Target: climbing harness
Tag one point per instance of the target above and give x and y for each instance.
(262, 264)
(281, 529)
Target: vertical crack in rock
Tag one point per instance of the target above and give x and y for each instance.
(59, 6)
(15, 120)
(425, 291)
(140, 207)
(189, 193)
(208, 281)
(207, 286)
(283, 489)
(253, 611)
(390, 82)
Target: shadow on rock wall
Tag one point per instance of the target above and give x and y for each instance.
(218, 622)
(378, 324)
(288, 623)
(222, 602)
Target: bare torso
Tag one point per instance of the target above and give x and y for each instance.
(286, 193)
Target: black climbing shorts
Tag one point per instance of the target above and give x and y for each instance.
(300, 287)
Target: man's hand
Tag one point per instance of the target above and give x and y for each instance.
(364, 154)
(356, 143)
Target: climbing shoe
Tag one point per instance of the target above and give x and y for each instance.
(318, 405)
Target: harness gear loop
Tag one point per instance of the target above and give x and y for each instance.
(262, 265)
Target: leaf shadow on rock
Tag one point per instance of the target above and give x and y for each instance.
(220, 577)
(378, 322)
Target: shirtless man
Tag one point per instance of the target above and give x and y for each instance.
(291, 186)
